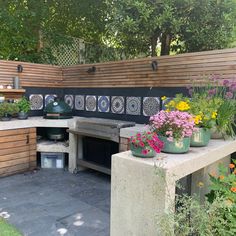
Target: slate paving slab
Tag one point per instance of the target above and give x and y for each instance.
(52, 202)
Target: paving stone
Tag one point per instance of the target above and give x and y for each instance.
(42, 202)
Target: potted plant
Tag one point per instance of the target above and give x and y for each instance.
(221, 93)
(24, 107)
(7, 110)
(204, 111)
(174, 128)
(145, 144)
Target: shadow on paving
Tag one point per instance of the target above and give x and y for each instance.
(55, 202)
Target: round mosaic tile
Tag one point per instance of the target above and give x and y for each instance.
(103, 104)
(151, 105)
(117, 104)
(133, 105)
(91, 103)
(69, 99)
(79, 102)
(36, 101)
(49, 98)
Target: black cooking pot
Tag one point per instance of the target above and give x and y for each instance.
(57, 110)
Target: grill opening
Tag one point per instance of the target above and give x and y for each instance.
(99, 151)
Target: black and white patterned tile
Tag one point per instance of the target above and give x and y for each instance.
(117, 104)
(151, 105)
(103, 103)
(79, 102)
(36, 102)
(133, 105)
(69, 99)
(91, 102)
(49, 98)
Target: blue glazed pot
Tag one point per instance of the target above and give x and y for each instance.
(177, 146)
(200, 137)
(137, 151)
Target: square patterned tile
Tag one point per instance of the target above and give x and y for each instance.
(49, 98)
(91, 103)
(133, 105)
(79, 102)
(103, 103)
(151, 105)
(36, 102)
(117, 104)
(69, 99)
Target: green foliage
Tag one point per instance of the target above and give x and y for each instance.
(8, 108)
(216, 216)
(23, 104)
(8, 230)
(187, 25)
(29, 29)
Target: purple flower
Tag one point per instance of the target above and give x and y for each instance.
(229, 95)
(190, 92)
(232, 87)
(226, 82)
(212, 91)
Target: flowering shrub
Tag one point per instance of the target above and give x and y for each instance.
(147, 141)
(224, 185)
(200, 106)
(173, 124)
(221, 93)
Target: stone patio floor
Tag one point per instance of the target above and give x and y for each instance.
(52, 202)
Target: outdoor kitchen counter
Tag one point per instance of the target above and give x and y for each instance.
(37, 121)
(130, 131)
(142, 188)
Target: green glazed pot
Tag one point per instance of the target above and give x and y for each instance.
(200, 137)
(180, 146)
(137, 151)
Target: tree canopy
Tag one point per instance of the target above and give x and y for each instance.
(29, 28)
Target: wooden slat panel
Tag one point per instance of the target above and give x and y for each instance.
(172, 70)
(16, 154)
(35, 75)
(14, 169)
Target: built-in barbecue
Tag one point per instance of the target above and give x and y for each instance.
(98, 140)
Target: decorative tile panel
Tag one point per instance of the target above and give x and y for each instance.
(49, 98)
(151, 105)
(36, 102)
(79, 102)
(103, 103)
(69, 99)
(91, 103)
(117, 104)
(133, 105)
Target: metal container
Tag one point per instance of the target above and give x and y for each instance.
(16, 82)
(56, 134)
(200, 137)
(176, 146)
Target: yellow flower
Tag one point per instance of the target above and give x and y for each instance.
(171, 103)
(182, 106)
(163, 98)
(197, 119)
(200, 184)
(213, 115)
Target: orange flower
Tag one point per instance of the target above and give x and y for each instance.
(231, 166)
(221, 177)
(213, 174)
(233, 189)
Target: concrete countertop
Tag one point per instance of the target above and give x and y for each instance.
(131, 131)
(183, 164)
(36, 121)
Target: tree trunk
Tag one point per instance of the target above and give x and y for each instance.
(154, 46)
(165, 44)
